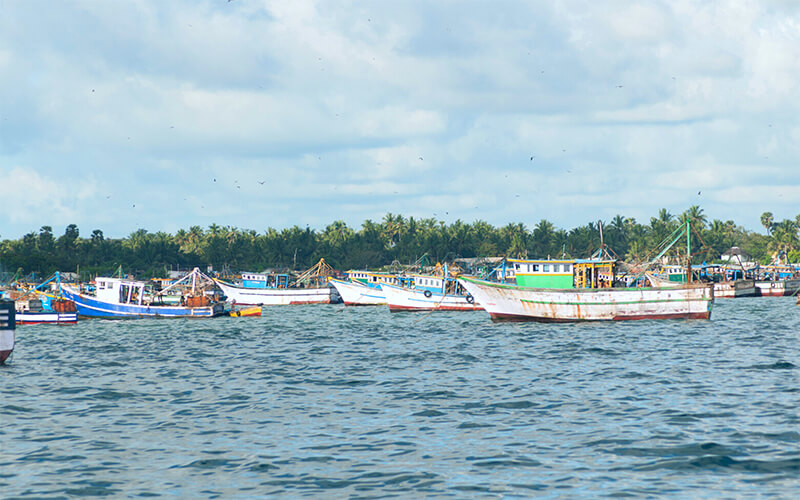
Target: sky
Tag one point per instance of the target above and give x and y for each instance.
(120, 115)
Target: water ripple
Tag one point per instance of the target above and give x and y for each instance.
(341, 402)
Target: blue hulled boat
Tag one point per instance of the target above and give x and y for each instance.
(119, 298)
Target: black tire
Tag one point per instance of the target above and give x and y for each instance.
(427, 293)
(470, 299)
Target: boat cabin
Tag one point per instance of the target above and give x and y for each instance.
(563, 274)
(371, 279)
(257, 280)
(119, 291)
(434, 284)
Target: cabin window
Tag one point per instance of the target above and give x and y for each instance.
(566, 268)
(102, 285)
(546, 268)
(517, 267)
(536, 268)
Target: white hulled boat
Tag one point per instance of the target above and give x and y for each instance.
(515, 303)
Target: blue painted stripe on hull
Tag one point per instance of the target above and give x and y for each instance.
(93, 308)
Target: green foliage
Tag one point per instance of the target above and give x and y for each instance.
(377, 244)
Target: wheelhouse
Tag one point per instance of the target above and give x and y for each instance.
(563, 274)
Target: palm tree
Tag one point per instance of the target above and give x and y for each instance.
(393, 229)
(785, 237)
(695, 216)
(767, 221)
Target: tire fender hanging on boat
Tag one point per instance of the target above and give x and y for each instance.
(427, 293)
(470, 298)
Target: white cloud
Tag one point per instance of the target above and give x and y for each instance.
(625, 105)
(32, 198)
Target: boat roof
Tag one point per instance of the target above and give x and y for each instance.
(563, 261)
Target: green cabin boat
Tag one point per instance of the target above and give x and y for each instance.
(564, 274)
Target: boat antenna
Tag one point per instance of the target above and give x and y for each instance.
(602, 246)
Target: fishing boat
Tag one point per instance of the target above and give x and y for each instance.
(120, 298)
(424, 292)
(587, 290)
(777, 288)
(363, 288)
(7, 326)
(354, 293)
(778, 279)
(515, 303)
(735, 289)
(262, 289)
(42, 306)
(44, 310)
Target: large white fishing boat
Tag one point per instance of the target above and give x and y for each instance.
(515, 303)
(262, 289)
(589, 290)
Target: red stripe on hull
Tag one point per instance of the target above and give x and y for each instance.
(393, 308)
(498, 317)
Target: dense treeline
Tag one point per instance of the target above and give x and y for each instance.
(377, 244)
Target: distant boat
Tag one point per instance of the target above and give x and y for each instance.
(261, 289)
(269, 296)
(119, 298)
(425, 292)
(46, 310)
(408, 299)
(735, 289)
(354, 293)
(36, 306)
(7, 326)
(363, 288)
(778, 288)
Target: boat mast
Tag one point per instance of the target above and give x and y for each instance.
(688, 252)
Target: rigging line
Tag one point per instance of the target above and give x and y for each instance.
(434, 309)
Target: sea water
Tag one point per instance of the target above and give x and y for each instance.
(329, 401)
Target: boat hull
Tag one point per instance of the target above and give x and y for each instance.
(276, 296)
(47, 318)
(734, 289)
(358, 294)
(7, 325)
(512, 303)
(406, 299)
(90, 307)
(781, 288)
